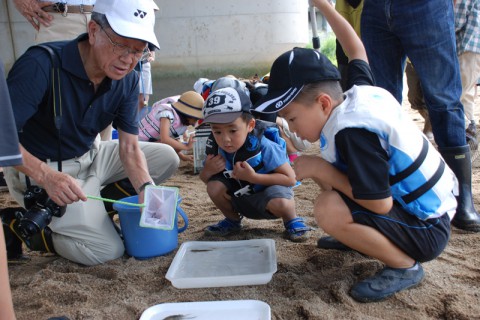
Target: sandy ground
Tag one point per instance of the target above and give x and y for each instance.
(310, 283)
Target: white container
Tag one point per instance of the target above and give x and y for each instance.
(202, 264)
(201, 136)
(210, 310)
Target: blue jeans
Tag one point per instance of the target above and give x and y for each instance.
(423, 31)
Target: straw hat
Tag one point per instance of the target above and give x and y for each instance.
(190, 104)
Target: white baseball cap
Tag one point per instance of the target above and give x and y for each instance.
(130, 18)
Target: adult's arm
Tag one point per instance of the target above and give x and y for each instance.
(133, 161)
(60, 187)
(32, 10)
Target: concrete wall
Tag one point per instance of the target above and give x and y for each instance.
(198, 35)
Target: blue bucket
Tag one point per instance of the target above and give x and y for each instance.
(144, 243)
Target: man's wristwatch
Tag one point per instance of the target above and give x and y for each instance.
(142, 187)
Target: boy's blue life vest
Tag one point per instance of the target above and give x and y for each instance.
(249, 152)
(419, 179)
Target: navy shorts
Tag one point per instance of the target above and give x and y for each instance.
(422, 240)
(254, 206)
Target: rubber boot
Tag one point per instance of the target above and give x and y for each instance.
(458, 159)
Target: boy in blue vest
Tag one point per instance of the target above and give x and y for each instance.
(387, 193)
(246, 173)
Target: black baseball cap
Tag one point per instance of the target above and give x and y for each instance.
(290, 72)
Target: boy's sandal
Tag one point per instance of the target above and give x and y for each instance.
(224, 228)
(296, 230)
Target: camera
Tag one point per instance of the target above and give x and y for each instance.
(39, 212)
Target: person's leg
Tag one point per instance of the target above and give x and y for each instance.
(85, 234)
(415, 97)
(398, 239)
(218, 193)
(217, 189)
(385, 52)
(335, 218)
(470, 71)
(100, 241)
(284, 207)
(429, 42)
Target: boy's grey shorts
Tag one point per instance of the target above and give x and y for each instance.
(254, 206)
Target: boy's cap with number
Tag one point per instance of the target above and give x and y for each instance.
(290, 72)
(225, 105)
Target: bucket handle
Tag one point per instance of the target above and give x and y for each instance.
(183, 214)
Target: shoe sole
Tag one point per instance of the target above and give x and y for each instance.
(466, 227)
(367, 300)
(214, 234)
(304, 237)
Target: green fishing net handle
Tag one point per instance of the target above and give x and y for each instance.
(141, 205)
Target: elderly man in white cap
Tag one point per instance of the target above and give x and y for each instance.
(63, 95)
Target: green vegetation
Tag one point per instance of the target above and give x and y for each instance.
(327, 47)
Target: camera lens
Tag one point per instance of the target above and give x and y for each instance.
(34, 221)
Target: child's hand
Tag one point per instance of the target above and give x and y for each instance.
(243, 171)
(305, 166)
(191, 141)
(185, 157)
(214, 164)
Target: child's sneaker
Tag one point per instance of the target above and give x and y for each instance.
(386, 283)
(296, 230)
(224, 228)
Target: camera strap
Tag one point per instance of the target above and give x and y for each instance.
(55, 98)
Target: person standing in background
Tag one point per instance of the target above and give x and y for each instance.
(467, 33)
(9, 156)
(351, 10)
(56, 21)
(424, 31)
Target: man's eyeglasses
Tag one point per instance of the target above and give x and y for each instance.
(123, 50)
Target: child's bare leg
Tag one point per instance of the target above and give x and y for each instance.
(295, 227)
(217, 191)
(282, 208)
(335, 218)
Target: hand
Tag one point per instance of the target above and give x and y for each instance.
(243, 171)
(62, 188)
(214, 164)
(33, 12)
(191, 141)
(305, 166)
(185, 157)
(151, 56)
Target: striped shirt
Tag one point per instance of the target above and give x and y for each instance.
(467, 25)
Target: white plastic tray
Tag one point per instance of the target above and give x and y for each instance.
(210, 310)
(202, 264)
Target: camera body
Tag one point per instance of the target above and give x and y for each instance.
(40, 211)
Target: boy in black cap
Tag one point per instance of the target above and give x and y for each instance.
(246, 173)
(387, 191)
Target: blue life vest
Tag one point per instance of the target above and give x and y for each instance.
(249, 152)
(419, 179)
